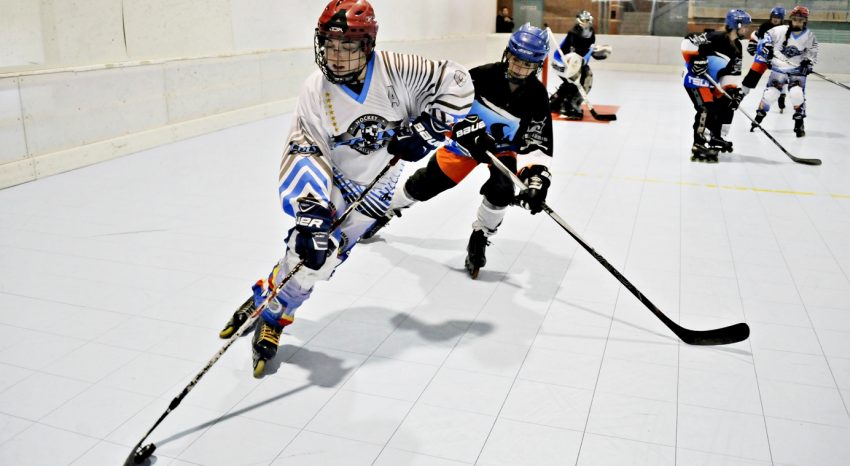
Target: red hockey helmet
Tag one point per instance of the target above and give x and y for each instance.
(800, 12)
(349, 21)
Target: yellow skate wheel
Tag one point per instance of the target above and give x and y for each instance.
(259, 368)
(226, 332)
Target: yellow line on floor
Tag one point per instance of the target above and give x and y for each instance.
(713, 185)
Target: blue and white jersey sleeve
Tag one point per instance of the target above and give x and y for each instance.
(441, 88)
(305, 169)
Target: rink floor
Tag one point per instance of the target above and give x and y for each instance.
(116, 278)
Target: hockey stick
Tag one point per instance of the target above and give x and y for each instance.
(598, 116)
(802, 160)
(139, 453)
(825, 78)
(830, 80)
(719, 336)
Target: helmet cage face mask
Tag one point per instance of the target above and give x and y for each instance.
(518, 70)
(344, 40)
(527, 49)
(585, 21)
(342, 60)
(799, 14)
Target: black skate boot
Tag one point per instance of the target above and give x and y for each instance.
(760, 114)
(572, 112)
(380, 223)
(239, 317)
(265, 343)
(555, 103)
(475, 258)
(799, 129)
(720, 144)
(781, 103)
(703, 153)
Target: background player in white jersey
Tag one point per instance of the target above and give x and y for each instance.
(790, 51)
(350, 121)
(718, 54)
(510, 118)
(777, 16)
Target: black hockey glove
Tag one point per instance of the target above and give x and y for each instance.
(536, 179)
(412, 143)
(735, 97)
(751, 47)
(312, 227)
(699, 66)
(471, 133)
(806, 67)
(767, 51)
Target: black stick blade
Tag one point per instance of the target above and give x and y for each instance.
(718, 336)
(140, 454)
(807, 161)
(603, 116)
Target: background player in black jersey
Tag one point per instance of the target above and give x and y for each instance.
(777, 17)
(580, 41)
(510, 118)
(717, 54)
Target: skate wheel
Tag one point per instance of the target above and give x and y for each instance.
(144, 453)
(226, 332)
(259, 368)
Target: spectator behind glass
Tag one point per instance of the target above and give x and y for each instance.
(504, 23)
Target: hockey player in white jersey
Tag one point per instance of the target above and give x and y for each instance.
(352, 118)
(790, 52)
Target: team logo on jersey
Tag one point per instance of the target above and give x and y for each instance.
(365, 134)
(791, 51)
(534, 134)
(460, 78)
(392, 97)
(305, 149)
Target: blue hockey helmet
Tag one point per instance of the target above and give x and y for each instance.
(529, 43)
(737, 18)
(778, 12)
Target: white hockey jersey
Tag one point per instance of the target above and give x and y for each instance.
(337, 132)
(789, 48)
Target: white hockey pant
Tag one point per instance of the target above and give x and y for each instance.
(298, 288)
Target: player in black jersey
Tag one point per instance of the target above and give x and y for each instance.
(716, 54)
(777, 18)
(509, 118)
(571, 61)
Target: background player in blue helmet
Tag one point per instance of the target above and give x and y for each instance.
(718, 54)
(580, 40)
(510, 118)
(777, 16)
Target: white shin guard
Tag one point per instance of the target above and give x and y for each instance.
(401, 200)
(771, 95)
(796, 97)
(489, 218)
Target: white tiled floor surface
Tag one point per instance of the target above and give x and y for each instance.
(116, 278)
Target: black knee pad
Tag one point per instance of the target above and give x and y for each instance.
(428, 181)
(499, 189)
